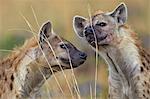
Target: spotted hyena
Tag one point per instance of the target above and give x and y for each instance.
(128, 62)
(25, 70)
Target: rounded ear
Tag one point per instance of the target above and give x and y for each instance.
(45, 31)
(120, 13)
(78, 25)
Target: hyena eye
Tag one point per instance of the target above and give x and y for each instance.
(63, 46)
(102, 24)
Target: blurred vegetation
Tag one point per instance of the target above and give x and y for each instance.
(61, 12)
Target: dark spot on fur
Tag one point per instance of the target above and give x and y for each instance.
(3, 73)
(135, 91)
(142, 69)
(5, 78)
(148, 61)
(144, 95)
(12, 77)
(11, 86)
(145, 82)
(143, 64)
(3, 90)
(17, 96)
(148, 91)
(109, 95)
(138, 78)
(27, 70)
(147, 68)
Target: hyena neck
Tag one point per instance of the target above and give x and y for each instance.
(123, 61)
(31, 74)
(27, 71)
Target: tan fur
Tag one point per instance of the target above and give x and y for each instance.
(25, 70)
(18, 53)
(8, 65)
(128, 62)
(137, 80)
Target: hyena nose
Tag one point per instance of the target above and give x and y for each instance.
(88, 30)
(83, 55)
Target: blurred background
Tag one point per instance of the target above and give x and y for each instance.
(13, 33)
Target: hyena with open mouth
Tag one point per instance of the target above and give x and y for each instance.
(128, 62)
(22, 73)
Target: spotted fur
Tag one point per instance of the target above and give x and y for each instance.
(128, 62)
(24, 71)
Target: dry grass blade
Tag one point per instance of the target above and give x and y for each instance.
(90, 17)
(35, 17)
(4, 50)
(91, 92)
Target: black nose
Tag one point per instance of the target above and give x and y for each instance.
(88, 30)
(83, 55)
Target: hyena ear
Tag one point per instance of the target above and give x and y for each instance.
(120, 13)
(78, 25)
(45, 31)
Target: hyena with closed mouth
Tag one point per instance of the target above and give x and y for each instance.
(128, 62)
(21, 73)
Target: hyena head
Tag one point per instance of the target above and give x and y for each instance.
(58, 51)
(102, 27)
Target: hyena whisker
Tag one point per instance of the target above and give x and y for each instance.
(96, 46)
(44, 56)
